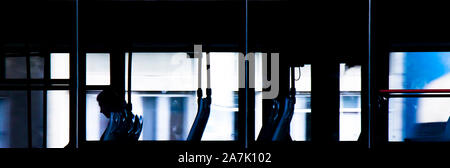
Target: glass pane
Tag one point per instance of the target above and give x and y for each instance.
(419, 119)
(163, 71)
(15, 68)
(58, 118)
(301, 121)
(13, 117)
(350, 103)
(59, 65)
(350, 78)
(419, 70)
(97, 69)
(37, 67)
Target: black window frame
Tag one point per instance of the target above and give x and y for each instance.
(44, 84)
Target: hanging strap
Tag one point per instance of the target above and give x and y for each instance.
(282, 130)
(204, 104)
(129, 76)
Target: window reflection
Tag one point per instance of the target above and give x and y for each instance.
(301, 121)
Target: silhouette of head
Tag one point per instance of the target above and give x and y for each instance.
(110, 101)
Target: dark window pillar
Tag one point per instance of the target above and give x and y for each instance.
(325, 102)
(117, 67)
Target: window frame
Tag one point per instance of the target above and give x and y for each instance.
(44, 84)
(119, 59)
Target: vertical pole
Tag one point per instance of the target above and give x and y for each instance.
(129, 75)
(44, 118)
(199, 76)
(29, 122)
(75, 114)
(208, 73)
(246, 74)
(47, 58)
(369, 108)
(292, 77)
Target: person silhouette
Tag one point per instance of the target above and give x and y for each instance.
(123, 125)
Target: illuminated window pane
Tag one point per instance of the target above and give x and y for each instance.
(350, 103)
(97, 69)
(57, 118)
(15, 68)
(419, 70)
(224, 84)
(419, 119)
(301, 121)
(163, 72)
(258, 93)
(59, 66)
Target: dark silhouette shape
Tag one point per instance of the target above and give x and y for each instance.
(277, 125)
(123, 125)
(204, 104)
